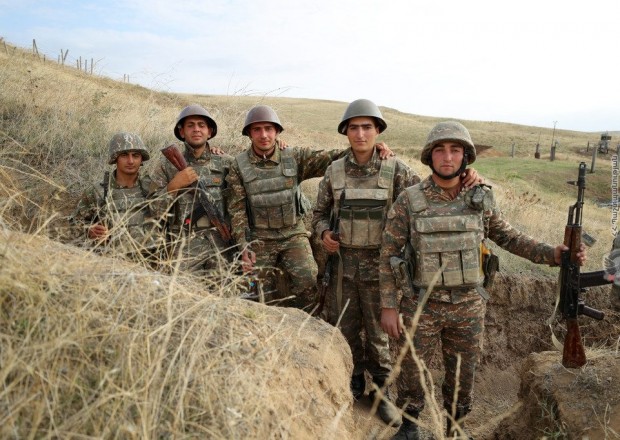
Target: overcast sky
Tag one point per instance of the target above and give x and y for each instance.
(529, 62)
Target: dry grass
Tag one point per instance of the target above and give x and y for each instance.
(100, 347)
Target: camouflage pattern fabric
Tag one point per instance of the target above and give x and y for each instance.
(294, 257)
(360, 275)
(615, 289)
(195, 245)
(279, 248)
(461, 327)
(126, 213)
(463, 308)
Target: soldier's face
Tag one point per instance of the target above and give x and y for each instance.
(447, 158)
(195, 131)
(362, 134)
(128, 163)
(263, 136)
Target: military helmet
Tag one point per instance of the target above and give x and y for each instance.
(448, 131)
(195, 110)
(261, 113)
(122, 142)
(362, 107)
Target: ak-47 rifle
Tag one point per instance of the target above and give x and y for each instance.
(573, 283)
(334, 227)
(212, 212)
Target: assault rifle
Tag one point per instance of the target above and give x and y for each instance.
(216, 218)
(334, 227)
(573, 283)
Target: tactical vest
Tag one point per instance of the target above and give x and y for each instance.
(212, 174)
(366, 203)
(128, 208)
(449, 232)
(271, 192)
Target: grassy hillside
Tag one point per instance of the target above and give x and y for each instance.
(56, 122)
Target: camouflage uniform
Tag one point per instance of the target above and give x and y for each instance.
(125, 211)
(360, 275)
(196, 245)
(455, 309)
(280, 234)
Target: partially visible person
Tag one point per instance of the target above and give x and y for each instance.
(445, 227)
(196, 245)
(116, 213)
(266, 206)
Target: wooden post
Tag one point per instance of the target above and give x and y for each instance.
(594, 153)
(91, 66)
(537, 152)
(512, 152)
(35, 51)
(552, 155)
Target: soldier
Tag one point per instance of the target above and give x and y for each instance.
(370, 186)
(266, 204)
(445, 227)
(196, 244)
(117, 214)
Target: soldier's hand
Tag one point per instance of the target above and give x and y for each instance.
(390, 323)
(581, 255)
(216, 150)
(471, 178)
(248, 260)
(384, 150)
(282, 144)
(97, 232)
(182, 179)
(329, 244)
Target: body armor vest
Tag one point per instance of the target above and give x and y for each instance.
(366, 203)
(445, 232)
(212, 174)
(128, 208)
(271, 192)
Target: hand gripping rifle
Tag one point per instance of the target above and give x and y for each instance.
(216, 218)
(573, 283)
(334, 227)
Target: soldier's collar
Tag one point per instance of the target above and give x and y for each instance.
(275, 157)
(370, 163)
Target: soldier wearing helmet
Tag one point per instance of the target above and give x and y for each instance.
(194, 242)
(444, 227)
(267, 206)
(116, 212)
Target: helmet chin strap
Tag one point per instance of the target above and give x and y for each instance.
(453, 175)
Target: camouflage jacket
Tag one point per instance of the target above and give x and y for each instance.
(397, 233)
(180, 205)
(403, 177)
(311, 163)
(92, 209)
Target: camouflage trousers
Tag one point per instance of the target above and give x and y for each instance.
(460, 329)
(199, 251)
(360, 288)
(292, 259)
(615, 298)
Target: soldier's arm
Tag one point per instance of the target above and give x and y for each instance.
(323, 207)
(160, 199)
(395, 236)
(314, 163)
(404, 177)
(236, 205)
(517, 242)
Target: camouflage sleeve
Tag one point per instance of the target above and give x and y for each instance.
(161, 200)
(87, 209)
(395, 235)
(404, 177)
(324, 205)
(515, 241)
(236, 205)
(314, 163)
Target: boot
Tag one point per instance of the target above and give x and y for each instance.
(387, 410)
(408, 430)
(358, 385)
(450, 433)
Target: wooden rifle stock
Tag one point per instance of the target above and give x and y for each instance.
(571, 284)
(329, 264)
(175, 157)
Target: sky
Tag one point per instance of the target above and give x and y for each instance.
(532, 62)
